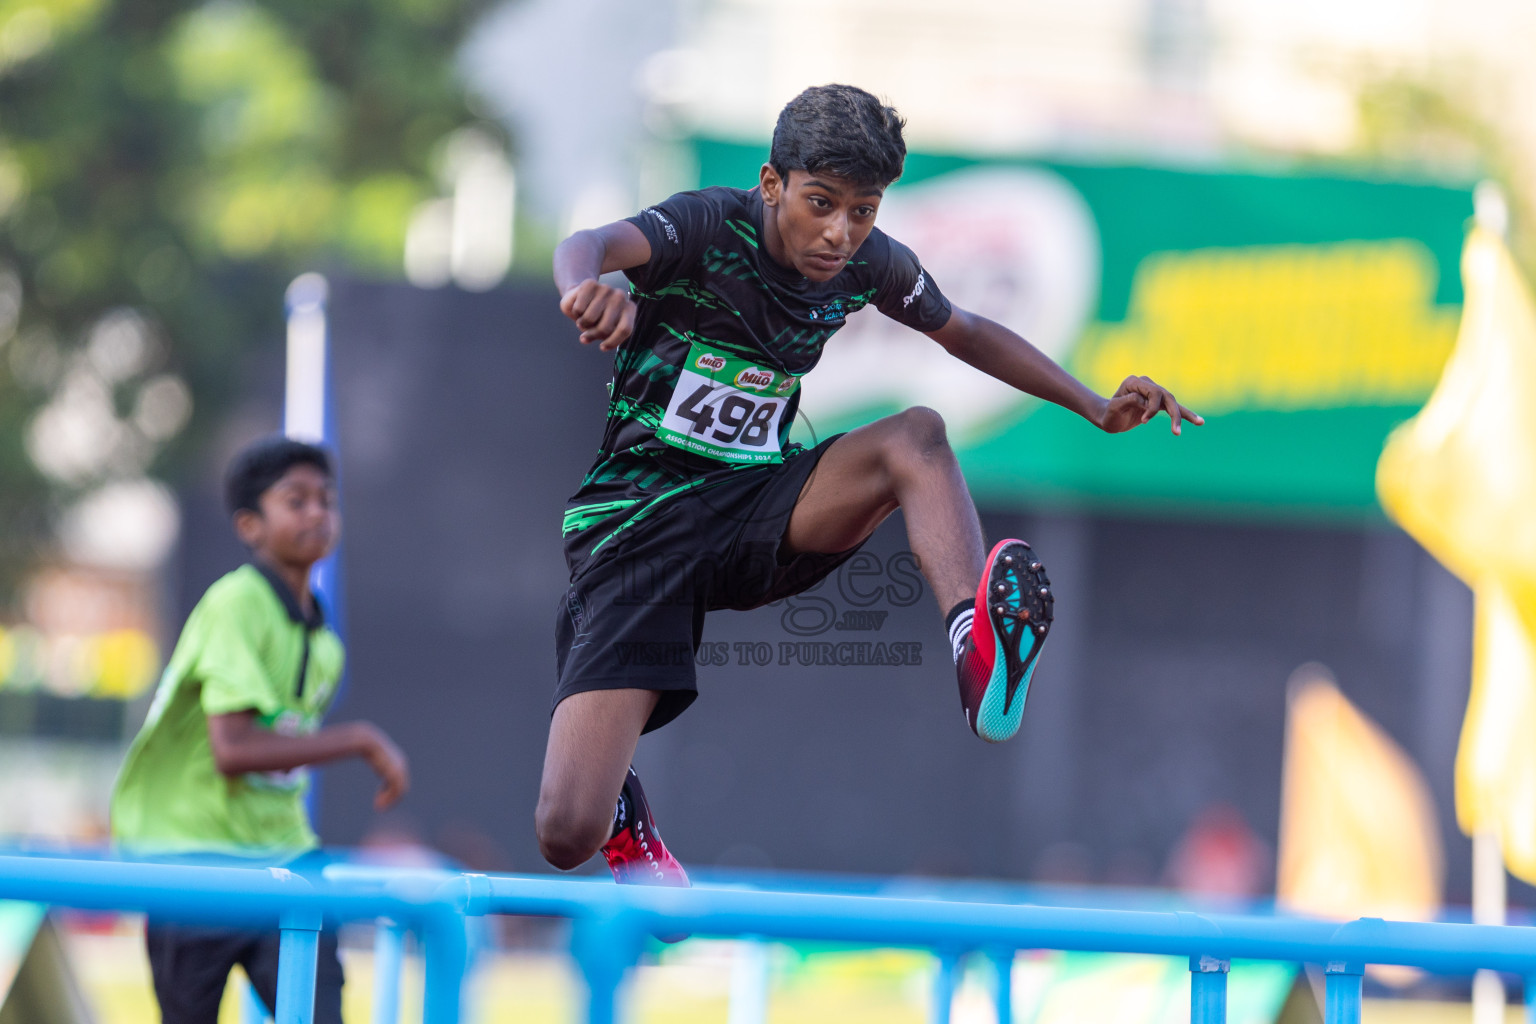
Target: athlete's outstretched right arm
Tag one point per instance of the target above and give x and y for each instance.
(605, 314)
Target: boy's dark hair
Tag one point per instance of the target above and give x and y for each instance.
(841, 130)
(263, 463)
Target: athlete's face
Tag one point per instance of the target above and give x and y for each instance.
(298, 522)
(814, 223)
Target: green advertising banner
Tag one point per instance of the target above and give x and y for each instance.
(1303, 315)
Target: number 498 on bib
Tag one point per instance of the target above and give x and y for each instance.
(727, 408)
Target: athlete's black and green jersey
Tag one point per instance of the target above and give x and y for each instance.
(708, 383)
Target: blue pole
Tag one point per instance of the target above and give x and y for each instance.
(610, 922)
(1002, 960)
(945, 979)
(388, 954)
(309, 415)
(308, 406)
(605, 946)
(940, 925)
(297, 955)
(445, 956)
(1342, 995)
(1208, 989)
(749, 982)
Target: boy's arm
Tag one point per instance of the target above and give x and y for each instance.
(998, 352)
(240, 745)
(605, 314)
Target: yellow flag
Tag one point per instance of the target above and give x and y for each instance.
(1460, 477)
(1358, 833)
(1496, 761)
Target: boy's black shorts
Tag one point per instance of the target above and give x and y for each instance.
(190, 965)
(633, 617)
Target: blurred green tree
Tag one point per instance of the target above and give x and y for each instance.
(164, 171)
(1444, 123)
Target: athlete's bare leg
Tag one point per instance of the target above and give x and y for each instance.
(900, 461)
(592, 739)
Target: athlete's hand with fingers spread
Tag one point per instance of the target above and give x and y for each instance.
(1137, 400)
(605, 314)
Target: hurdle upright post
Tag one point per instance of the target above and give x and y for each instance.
(298, 953)
(444, 939)
(750, 982)
(388, 956)
(946, 977)
(1342, 992)
(605, 945)
(1208, 989)
(1002, 961)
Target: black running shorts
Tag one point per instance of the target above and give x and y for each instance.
(633, 617)
(190, 965)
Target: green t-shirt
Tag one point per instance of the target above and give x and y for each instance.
(241, 650)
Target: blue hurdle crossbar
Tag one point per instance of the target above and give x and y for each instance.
(612, 923)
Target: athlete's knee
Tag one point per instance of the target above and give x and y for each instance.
(923, 428)
(917, 441)
(567, 837)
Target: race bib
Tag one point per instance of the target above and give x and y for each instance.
(727, 408)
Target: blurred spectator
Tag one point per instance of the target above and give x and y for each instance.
(471, 847)
(1063, 864)
(396, 842)
(1131, 867)
(220, 769)
(1220, 857)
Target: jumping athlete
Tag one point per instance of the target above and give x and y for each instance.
(698, 501)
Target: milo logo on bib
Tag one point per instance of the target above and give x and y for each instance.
(754, 377)
(727, 408)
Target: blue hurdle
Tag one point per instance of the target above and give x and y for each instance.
(611, 925)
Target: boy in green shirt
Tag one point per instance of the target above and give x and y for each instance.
(220, 767)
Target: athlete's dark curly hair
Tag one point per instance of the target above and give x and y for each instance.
(841, 130)
(263, 463)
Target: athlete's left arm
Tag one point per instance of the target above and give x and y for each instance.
(998, 352)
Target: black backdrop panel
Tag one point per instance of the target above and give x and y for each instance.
(463, 421)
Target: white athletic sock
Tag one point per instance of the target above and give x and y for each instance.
(959, 630)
